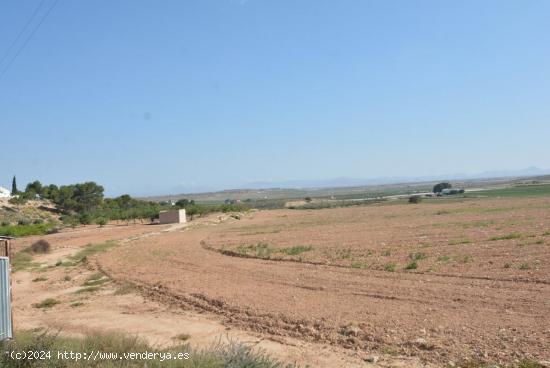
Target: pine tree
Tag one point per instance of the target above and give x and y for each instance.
(14, 190)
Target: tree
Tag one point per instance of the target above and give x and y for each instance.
(438, 188)
(14, 190)
(32, 189)
(50, 192)
(185, 203)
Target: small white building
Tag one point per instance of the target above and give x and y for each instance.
(4, 193)
(172, 217)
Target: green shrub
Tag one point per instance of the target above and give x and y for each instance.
(413, 265)
(25, 230)
(101, 221)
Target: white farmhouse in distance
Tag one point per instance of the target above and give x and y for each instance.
(4, 193)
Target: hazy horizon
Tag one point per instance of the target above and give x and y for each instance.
(146, 98)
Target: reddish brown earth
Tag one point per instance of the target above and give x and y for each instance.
(470, 297)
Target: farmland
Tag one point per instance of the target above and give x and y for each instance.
(460, 280)
(442, 281)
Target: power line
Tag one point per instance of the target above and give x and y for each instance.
(21, 32)
(29, 37)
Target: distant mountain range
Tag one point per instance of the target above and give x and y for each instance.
(353, 182)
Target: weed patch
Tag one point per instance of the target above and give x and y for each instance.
(507, 237)
(417, 256)
(296, 250)
(22, 261)
(46, 303)
(359, 265)
(92, 249)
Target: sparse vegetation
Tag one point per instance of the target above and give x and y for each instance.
(88, 289)
(21, 261)
(507, 237)
(232, 355)
(96, 279)
(359, 265)
(417, 256)
(264, 250)
(91, 249)
(413, 265)
(460, 241)
(19, 230)
(390, 267)
(299, 249)
(46, 303)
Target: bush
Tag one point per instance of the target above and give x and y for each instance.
(17, 200)
(23, 222)
(415, 199)
(41, 246)
(101, 221)
(38, 221)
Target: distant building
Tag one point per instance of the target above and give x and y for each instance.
(4, 193)
(172, 217)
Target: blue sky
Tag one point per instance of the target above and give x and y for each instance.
(154, 97)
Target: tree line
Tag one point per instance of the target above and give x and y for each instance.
(85, 203)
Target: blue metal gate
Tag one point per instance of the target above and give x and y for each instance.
(5, 300)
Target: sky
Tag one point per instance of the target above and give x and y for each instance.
(158, 97)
